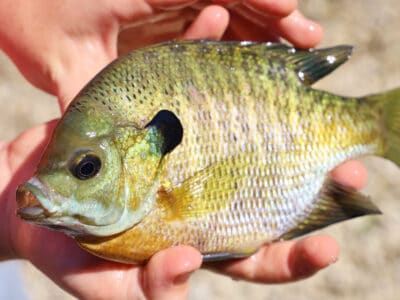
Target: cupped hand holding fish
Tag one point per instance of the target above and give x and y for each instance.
(58, 48)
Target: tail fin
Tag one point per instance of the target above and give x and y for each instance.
(389, 104)
(391, 123)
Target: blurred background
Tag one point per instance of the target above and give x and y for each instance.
(369, 263)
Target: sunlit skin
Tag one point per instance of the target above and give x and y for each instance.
(59, 51)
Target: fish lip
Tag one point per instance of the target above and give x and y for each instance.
(32, 213)
(30, 200)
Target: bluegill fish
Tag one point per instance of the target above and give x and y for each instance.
(223, 146)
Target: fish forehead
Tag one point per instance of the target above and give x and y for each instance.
(86, 119)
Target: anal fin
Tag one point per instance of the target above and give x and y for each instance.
(335, 203)
(211, 257)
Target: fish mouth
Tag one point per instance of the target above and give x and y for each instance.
(41, 205)
(35, 205)
(30, 200)
(29, 205)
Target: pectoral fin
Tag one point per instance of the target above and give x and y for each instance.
(336, 203)
(208, 191)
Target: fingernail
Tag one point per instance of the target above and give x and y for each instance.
(182, 278)
(333, 260)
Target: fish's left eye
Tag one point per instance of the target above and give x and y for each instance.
(87, 167)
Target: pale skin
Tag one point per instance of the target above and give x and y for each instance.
(58, 47)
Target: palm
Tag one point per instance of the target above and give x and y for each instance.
(75, 51)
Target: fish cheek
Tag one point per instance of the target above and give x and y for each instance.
(142, 152)
(60, 182)
(141, 166)
(143, 158)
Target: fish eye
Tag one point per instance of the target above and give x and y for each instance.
(86, 167)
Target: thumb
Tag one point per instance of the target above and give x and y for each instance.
(166, 276)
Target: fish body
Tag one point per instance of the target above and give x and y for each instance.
(223, 146)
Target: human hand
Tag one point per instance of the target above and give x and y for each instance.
(60, 57)
(60, 45)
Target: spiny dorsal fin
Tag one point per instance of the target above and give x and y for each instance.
(335, 203)
(311, 65)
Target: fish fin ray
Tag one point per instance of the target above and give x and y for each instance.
(314, 64)
(309, 65)
(212, 257)
(390, 103)
(208, 191)
(335, 203)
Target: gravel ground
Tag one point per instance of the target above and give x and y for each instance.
(369, 264)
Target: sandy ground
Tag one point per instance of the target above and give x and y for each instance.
(369, 264)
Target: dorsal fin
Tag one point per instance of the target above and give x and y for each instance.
(336, 203)
(311, 65)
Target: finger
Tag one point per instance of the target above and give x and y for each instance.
(298, 30)
(270, 8)
(19, 159)
(27, 148)
(273, 7)
(351, 173)
(284, 261)
(166, 276)
(151, 3)
(211, 23)
(248, 25)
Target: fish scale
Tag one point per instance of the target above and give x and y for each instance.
(282, 138)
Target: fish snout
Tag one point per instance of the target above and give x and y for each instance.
(29, 207)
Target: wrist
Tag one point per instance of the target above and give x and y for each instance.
(7, 250)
